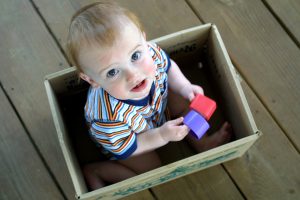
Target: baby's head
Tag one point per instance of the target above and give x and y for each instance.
(108, 46)
(100, 24)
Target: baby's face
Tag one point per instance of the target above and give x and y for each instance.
(126, 70)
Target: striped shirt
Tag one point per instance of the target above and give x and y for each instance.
(114, 124)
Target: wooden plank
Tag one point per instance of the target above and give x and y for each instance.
(160, 23)
(28, 53)
(166, 17)
(22, 173)
(288, 13)
(264, 54)
(270, 169)
(143, 195)
(162, 17)
(212, 183)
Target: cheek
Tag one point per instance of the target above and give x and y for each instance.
(116, 90)
(149, 66)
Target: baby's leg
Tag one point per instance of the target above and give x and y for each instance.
(99, 173)
(142, 163)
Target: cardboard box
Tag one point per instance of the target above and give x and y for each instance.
(202, 56)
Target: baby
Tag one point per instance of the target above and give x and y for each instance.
(131, 80)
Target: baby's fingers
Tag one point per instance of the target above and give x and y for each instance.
(177, 121)
(196, 90)
(181, 132)
(185, 129)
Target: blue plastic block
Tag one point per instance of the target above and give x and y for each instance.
(196, 123)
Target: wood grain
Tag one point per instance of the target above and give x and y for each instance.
(270, 169)
(212, 183)
(260, 47)
(158, 18)
(27, 54)
(288, 13)
(264, 54)
(23, 175)
(143, 195)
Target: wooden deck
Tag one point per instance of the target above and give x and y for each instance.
(262, 38)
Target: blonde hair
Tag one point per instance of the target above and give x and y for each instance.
(100, 24)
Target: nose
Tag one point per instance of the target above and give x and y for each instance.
(132, 74)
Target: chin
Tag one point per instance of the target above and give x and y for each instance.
(139, 98)
(145, 94)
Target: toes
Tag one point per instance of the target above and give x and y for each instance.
(225, 133)
(226, 129)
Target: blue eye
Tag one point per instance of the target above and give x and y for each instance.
(111, 73)
(136, 56)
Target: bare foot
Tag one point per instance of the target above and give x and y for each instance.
(222, 136)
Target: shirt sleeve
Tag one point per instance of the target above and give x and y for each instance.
(115, 137)
(160, 57)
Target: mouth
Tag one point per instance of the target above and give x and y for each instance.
(140, 86)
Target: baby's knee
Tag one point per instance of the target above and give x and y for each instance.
(142, 163)
(91, 177)
(88, 170)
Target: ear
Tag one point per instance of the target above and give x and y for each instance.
(144, 35)
(88, 79)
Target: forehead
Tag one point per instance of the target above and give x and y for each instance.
(124, 43)
(127, 35)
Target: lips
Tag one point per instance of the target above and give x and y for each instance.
(140, 86)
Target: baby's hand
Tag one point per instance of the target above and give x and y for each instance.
(190, 91)
(174, 130)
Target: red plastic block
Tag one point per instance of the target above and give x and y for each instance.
(204, 106)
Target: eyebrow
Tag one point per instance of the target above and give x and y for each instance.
(138, 45)
(130, 52)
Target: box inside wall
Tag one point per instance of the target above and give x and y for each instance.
(201, 55)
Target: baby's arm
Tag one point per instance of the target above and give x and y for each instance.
(154, 138)
(180, 84)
